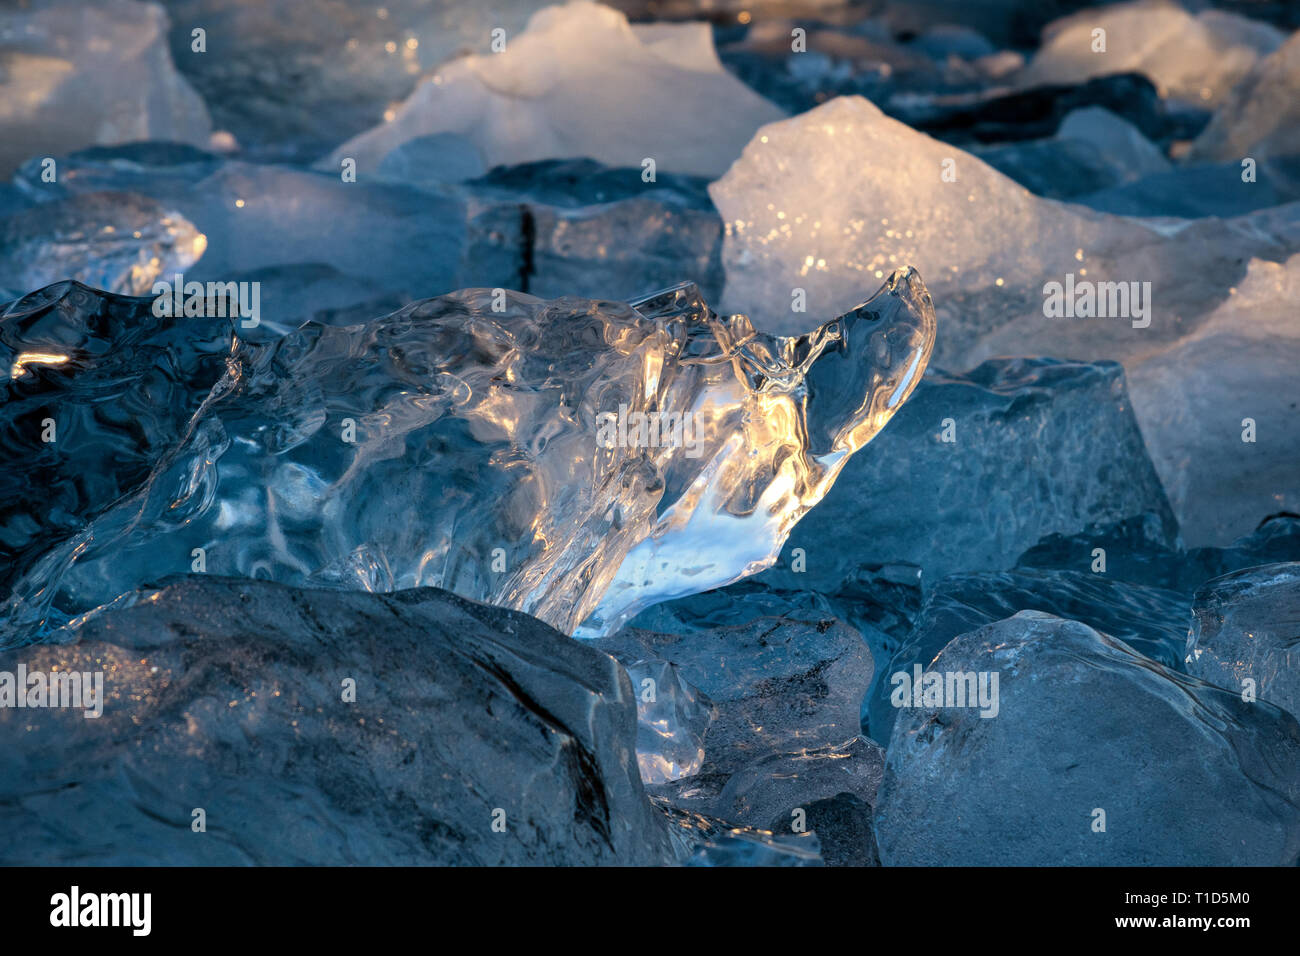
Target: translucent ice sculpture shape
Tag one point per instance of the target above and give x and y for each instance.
(558, 457)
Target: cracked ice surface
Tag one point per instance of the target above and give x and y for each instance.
(449, 444)
(581, 81)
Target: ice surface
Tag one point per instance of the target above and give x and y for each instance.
(226, 694)
(439, 158)
(672, 719)
(1092, 150)
(1185, 773)
(1002, 114)
(1194, 402)
(865, 60)
(120, 242)
(1137, 553)
(551, 228)
(1191, 57)
(73, 74)
(1152, 621)
(580, 81)
(1203, 189)
(486, 442)
(823, 200)
(702, 840)
(258, 217)
(1247, 627)
(1037, 446)
(826, 199)
(291, 79)
(835, 786)
(585, 229)
(1262, 118)
(779, 686)
(737, 603)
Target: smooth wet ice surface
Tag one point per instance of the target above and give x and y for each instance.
(539, 455)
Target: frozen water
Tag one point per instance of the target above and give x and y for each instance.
(779, 686)
(1247, 628)
(580, 81)
(1114, 136)
(73, 74)
(839, 194)
(977, 468)
(1136, 552)
(1093, 150)
(767, 792)
(1002, 114)
(258, 217)
(120, 242)
(1203, 189)
(833, 787)
(291, 79)
(551, 228)
(1191, 57)
(1219, 409)
(555, 457)
(440, 158)
(672, 719)
(225, 694)
(1218, 784)
(874, 357)
(1152, 621)
(1262, 118)
(819, 202)
(735, 604)
(584, 229)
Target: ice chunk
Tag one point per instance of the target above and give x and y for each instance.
(226, 694)
(552, 228)
(581, 82)
(817, 203)
(1192, 57)
(294, 78)
(440, 158)
(1152, 621)
(1261, 119)
(1136, 552)
(1203, 189)
(863, 60)
(996, 114)
(540, 455)
(262, 216)
(120, 242)
(824, 200)
(975, 469)
(1097, 756)
(1116, 137)
(735, 604)
(1219, 409)
(1246, 635)
(585, 229)
(1093, 150)
(672, 719)
(829, 790)
(779, 686)
(73, 74)
(702, 840)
